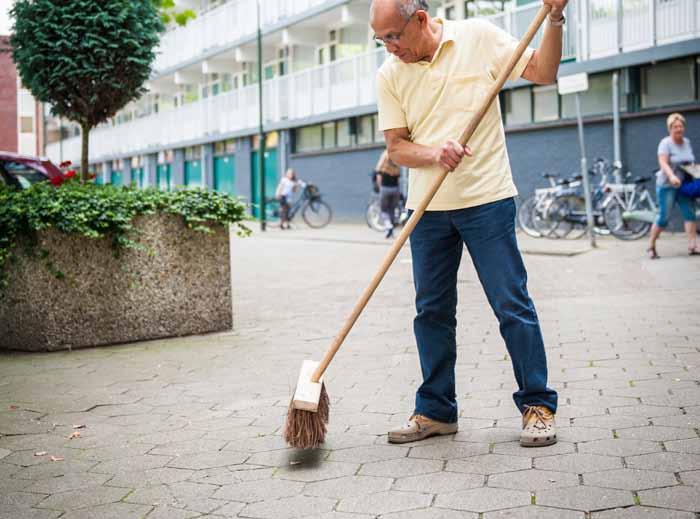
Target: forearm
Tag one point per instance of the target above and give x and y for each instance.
(549, 53)
(406, 153)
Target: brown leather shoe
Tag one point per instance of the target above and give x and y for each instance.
(539, 428)
(420, 427)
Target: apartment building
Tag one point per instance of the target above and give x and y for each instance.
(198, 124)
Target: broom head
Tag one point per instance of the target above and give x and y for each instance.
(308, 411)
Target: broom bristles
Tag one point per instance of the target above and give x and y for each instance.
(306, 429)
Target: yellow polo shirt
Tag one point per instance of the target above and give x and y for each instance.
(435, 100)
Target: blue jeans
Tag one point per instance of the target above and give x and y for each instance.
(488, 231)
(667, 197)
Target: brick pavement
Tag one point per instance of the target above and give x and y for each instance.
(190, 427)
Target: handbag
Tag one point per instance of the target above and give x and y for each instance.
(691, 183)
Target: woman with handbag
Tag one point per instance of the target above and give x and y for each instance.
(674, 151)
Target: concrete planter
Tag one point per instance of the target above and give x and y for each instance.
(180, 285)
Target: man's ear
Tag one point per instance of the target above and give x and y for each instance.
(422, 18)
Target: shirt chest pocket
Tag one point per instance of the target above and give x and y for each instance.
(462, 94)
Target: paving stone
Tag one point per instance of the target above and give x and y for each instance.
(368, 454)
(515, 449)
(84, 498)
(287, 457)
(232, 474)
(578, 463)
(385, 502)
(259, 490)
(227, 510)
(649, 411)
(690, 421)
(109, 511)
(489, 464)
(205, 460)
(483, 499)
(288, 508)
(611, 421)
(534, 512)
(4, 452)
(691, 446)
(439, 483)
(429, 513)
(656, 433)
(20, 499)
(188, 447)
(679, 498)
(400, 467)
(618, 447)
(489, 435)
(448, 450)
(691, 477)
(317, 471)
(167, 512)
(144, 478)
(533, 480)
(584, 498)
(642, 512)
(630, 479)
(9, 512)
(132, 463)
(73, 481)
(666, 461)
(176, 495)
(348, 486)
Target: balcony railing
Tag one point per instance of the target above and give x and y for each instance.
(606, 29)
(223, 26)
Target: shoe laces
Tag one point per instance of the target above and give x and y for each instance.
(537, 416)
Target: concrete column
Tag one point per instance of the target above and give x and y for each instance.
(243, 167)
(283, 150)
(208, 166)
(150, 165)
(178, 171)
(126, 172)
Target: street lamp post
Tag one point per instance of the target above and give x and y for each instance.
(261, 133)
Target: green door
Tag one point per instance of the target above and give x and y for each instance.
(163, 177)
(270, 177)
(116, 177)
(193, 173)
(225, 174)
(137, 175)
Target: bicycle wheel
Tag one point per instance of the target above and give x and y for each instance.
(272, 213)
(373, 216)
(542, 221)
(572, 211)
(316, 213)
(525, 217)
(620, 227)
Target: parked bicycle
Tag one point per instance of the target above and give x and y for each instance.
(314, 211)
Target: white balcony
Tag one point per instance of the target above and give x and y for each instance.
(349, 83)
(222, 27)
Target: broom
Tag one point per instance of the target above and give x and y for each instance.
(308, 412)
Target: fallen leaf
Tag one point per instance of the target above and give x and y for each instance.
(81, 426)
(294, 462)
(57, 458)
(14, 407)
(74, 434)
(40, 453)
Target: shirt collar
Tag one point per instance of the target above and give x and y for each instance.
(448, 35)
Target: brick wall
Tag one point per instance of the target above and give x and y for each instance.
(8, 98)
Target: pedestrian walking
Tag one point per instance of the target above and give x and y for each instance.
(387, 178)
(428, 89)
(673, 152)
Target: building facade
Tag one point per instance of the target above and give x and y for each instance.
(21, 129)
(198, 124)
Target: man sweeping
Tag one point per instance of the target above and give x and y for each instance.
(437, 73)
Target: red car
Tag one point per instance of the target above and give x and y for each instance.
(22, 171)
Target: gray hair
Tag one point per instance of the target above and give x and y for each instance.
(408, 8)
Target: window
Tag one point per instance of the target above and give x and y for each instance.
(165, 157)
(227, 147)
(450, 12)
(309, 138)
(343, 135)
(596, 100)
(668, 83)
(193, 153)
(546, 103)
(328, 130)
(518, 106)
(23, 174)
(365, 130)
(26, 125)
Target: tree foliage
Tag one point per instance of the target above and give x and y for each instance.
(87, 59)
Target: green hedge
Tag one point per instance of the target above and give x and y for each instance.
(104, 212)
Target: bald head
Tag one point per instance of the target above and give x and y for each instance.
(404, 8)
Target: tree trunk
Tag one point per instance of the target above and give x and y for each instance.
(85, 130)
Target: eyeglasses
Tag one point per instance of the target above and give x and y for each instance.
(392, 39)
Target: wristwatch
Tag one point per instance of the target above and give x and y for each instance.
(557, 23)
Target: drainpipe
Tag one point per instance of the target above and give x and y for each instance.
(261, 133)
(617, 156)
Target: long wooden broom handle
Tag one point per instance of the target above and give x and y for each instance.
(420, 209)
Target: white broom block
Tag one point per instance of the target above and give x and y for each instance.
(307, 394)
